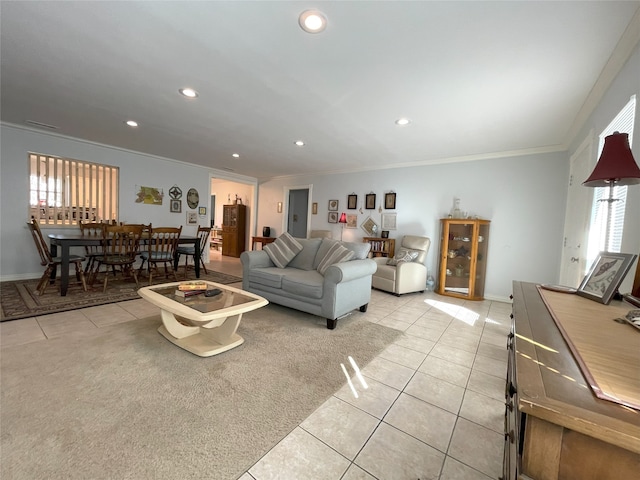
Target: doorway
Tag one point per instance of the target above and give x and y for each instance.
(298, 210)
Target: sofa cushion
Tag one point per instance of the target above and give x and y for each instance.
(303, 283)
(326, 244)
(403, 255)
(269, 277)
(360, 249)
(304, 259)
(283, 249)
(336, 254)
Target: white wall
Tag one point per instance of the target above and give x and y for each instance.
(17, 250)
(524, 197)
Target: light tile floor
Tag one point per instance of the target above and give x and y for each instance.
(433, 407)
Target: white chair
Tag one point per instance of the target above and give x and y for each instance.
(405, 276)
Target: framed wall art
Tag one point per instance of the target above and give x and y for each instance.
(390, 201)
(370, 226)
(352, 201)
(333, 205)
(314, 208)
(333, 217)
(352, 221)
(388, 221)
(605, 276)
(370, 201)
(192, 218)
(202, 211)
(175, 206)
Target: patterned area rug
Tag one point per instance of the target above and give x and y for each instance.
(19, 300)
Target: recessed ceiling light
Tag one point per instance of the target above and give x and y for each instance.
(131, 123)
(403, 121)
(299, 143)
(235, 155)
(312, 21)
(188, 92)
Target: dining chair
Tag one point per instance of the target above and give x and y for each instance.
(161, 248)
(120, 247)
(203, 235)
(52, 262)
(92, 230)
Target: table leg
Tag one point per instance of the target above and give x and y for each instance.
(200, 340)
(64, 270)
(196, 258)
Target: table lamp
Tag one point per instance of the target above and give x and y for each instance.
(343, 220)
(616, 166)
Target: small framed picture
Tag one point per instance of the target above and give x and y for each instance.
(352, 221)
(175, 206)
(388, 221)
(192, 218)
(333, 217)
(605, 276)
(314, 208)
(384, 234)
(370, 201)
(390, 201)
(333, 205)
(202, 211)
(352, 201)
(279, 208)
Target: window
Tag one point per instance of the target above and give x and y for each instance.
(64, 191)
(623, 122)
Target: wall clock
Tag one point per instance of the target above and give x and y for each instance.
(193, 198)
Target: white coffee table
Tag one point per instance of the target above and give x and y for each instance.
(204, 326)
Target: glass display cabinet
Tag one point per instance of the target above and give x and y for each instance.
(463, 257)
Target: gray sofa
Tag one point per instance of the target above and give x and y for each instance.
(343, 287)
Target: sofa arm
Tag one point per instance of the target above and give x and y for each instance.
(255, 259)
(346, 271)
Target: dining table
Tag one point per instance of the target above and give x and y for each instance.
(65, 241)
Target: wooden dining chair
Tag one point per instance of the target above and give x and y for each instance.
(161, 248)
(92, 230)
(52, 262)
(120, 247)
(203, 235)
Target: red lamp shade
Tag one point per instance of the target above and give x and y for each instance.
(343, 218)
(616, 164)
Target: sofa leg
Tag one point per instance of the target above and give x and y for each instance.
(364, 307)
(331, 323)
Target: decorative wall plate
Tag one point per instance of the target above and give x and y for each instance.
(193, 198)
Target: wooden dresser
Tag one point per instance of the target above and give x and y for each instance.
(555, 427)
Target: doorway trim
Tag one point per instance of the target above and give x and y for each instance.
(285, 196)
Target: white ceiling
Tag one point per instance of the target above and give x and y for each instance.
(476, 78)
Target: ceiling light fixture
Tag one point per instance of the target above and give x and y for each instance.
(131, 123)
(403, 121)
(299, 143)
(235, 155)
(188, 92)
(312, 21)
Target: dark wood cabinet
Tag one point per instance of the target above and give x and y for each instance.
(234, 230)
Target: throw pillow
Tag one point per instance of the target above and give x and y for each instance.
(404, 255)
(283, 249)
(336, 254)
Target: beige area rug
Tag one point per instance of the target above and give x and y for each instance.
(124, 403)
(19, 300)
